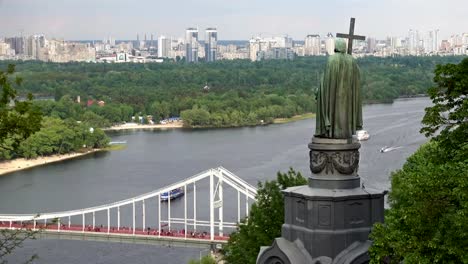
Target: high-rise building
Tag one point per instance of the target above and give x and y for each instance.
(371, 44)
(164, 47)
(270, 48)
(191, 45)
(32, 47)
(312, 45)
(254, 48)
(6, 50)
(330, 44)
(211, 44)
(415, 43)
(17, 43)
(435, 40)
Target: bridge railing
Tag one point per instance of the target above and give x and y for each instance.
(222, 175)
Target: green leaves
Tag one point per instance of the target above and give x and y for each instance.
(427, 222)
(265, 219)
(18, 119)
(267, 89)
(58, 137)
(449, 114)
(428, 218)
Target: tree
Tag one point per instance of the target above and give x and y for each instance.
(204, 260)
(450, 111)
(264, 222)
(18, 119)
(427, 221)
(12, 239)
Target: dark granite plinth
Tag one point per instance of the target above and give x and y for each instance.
(328, 220)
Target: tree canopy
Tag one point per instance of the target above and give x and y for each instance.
(265, 219)
(240, 92)
(18, 119)
(428, 218)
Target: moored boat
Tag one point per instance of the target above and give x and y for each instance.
(362, 135)
(173, 194)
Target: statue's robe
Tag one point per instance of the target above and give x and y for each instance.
(339, 106)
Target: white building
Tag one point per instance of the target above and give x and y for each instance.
(211, 44)
(282, 48)
(191, 45)
(164, 47)
(330, 44)
(312, 45)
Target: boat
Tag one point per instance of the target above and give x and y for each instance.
(118, 142)
(388, 149)
(173, 194)
(362, 135)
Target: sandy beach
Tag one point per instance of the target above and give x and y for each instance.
(130, 126)
(21, 164)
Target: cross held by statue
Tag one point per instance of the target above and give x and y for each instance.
(350, 36)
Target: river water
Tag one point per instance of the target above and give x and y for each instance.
(154, 159)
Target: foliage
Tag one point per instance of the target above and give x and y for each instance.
(427, 221)
(58, 137)
(450, 110)
(12, 239)
(18, 119)
(241, 92)
(204, 260)
(264, 221)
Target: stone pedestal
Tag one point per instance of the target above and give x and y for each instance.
(328, 220)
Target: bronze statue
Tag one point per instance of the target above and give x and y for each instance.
(339, 106)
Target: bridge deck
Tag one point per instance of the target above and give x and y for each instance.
(122, 235)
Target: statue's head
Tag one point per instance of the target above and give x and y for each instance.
(340, 46)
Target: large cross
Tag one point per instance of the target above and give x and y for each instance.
(350, 36)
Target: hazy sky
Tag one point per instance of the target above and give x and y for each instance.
(235, 19)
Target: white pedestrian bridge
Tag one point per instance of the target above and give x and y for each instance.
(190, 230)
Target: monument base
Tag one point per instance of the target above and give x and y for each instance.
(330, 219)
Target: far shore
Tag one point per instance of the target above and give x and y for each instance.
(134, 126)
(294, 118)
(180, 124)
(22, 164)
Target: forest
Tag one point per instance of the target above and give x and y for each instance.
(56, 136)
(219, 94)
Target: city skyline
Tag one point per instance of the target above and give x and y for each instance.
(235, 21)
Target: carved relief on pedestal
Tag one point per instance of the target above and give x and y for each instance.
(331, 162)
(274, 260)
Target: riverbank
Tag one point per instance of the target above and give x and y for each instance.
(22, 164)
(294, 118)
(134, 126)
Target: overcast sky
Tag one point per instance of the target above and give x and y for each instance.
(235, 19)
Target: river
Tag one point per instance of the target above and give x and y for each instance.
(154, 159)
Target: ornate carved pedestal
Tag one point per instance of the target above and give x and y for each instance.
(328, 220)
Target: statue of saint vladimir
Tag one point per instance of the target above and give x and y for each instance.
(339, 106)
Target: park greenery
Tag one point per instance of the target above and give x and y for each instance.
(427, 221)
(220, 94)
(208, 259)
(18, 121)
(265, 219)
(25, 133)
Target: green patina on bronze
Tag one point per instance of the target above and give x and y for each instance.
(339, 106)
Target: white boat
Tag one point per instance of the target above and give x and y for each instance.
(388, 149)
(362, 135)
(173, 194)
